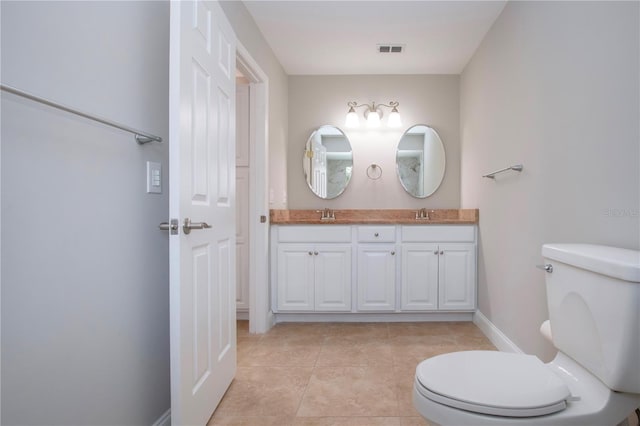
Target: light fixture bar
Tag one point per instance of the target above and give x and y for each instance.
(373, 113)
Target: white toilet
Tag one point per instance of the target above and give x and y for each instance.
(593, 293)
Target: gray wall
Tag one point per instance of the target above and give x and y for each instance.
(554, 85)
(424, 99)
(251, 38)
(85, 309)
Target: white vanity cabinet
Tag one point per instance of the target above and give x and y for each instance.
(438, 268)
(457, 277)
(373, 270)
(313, 276)
(376, 283)
(419, 287)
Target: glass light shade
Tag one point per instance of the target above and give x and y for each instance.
(373, 119)
(394, 119)
(352, 119)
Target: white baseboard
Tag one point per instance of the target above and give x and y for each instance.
(164, 420)
(242, 315)
(373, 317)
(493, 333)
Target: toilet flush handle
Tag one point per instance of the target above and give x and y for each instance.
(546, 267)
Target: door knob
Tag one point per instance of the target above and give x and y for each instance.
(188, 226)
(172, 226)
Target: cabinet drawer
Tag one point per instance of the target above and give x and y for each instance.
(376, 234)
(438, 233)
(314, 234)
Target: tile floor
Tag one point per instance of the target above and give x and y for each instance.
(325, 374)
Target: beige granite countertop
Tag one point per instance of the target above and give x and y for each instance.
(382, 216)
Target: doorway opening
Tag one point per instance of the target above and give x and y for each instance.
(252, 213)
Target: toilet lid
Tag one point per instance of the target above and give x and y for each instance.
(495, 383)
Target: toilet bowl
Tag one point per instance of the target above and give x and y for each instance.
(588, 401)
(593, 380)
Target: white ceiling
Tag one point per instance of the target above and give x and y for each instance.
(340, 37)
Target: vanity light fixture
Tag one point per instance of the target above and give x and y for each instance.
(373, 114)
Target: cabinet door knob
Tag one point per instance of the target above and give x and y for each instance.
(393, 253)
(315, 252)
(435, 252)
(310, 254)
(376, 234)
(441, 252)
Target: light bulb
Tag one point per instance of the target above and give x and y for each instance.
(394, 119)
(352, 119)
(373, 119)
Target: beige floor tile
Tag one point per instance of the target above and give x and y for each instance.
(414, 421)
(282, 351)
(242, 327)
(251, 421)
(412, 350)
(246, 350)
(347, 421)
(349, 352)
(342, 374)
(360, 330)
(264, 391)
(318, 329)
(349, 391)
(419, 329)
(404, 376)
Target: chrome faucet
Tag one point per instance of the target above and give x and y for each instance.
(327, 214)
(422, 214)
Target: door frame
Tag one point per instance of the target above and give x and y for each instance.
(261, 318)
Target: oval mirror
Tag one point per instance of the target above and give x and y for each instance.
(327, 162)
(420, 161)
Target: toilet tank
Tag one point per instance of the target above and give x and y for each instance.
(593, 295)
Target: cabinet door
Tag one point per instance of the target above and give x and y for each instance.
(332, 277)
(419, 277)
(376, 277)
(295, 277)
(457, 277)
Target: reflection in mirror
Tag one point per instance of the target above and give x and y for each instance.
(420, 161)
(327, 162)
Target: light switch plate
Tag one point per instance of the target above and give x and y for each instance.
(154, 178)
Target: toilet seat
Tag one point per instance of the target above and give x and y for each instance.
(494, 383)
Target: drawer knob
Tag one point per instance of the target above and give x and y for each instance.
(393, 253)
(435, 252)
(310, 253)
(315, 252)
(376, 234)
(441, 252)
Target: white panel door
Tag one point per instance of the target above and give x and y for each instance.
(242, 125)
(332, 277)
(242, 197)
(376, 277)
(457, 277)
(242, 239)
(419, 277)
(202, 189)
(295, 277)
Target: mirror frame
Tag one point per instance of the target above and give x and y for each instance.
(304, 156)
(444, 162)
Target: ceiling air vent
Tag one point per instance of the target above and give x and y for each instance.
(390, 48)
